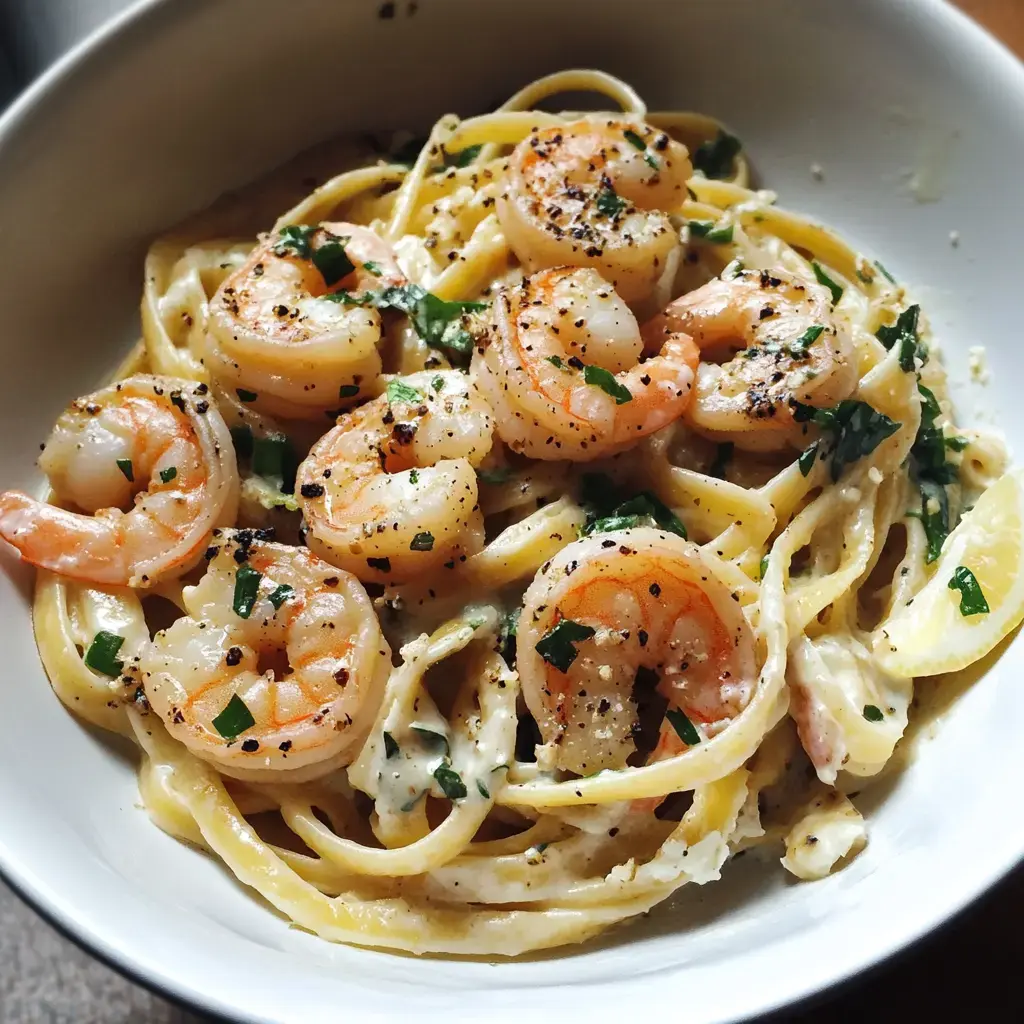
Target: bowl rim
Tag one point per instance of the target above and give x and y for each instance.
(60, 911)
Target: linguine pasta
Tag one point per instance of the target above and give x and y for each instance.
(575, 667)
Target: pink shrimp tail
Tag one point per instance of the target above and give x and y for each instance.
(64, 542)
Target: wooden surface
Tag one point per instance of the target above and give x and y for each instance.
(1003, 18)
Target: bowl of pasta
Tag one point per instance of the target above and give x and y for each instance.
(527, 541)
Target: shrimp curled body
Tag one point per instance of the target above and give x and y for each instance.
(149, 462)
(564, 373)
(391, 491)
(777, 343)
(293, 725)
(592, 194)
(274, 330)
(657, 618)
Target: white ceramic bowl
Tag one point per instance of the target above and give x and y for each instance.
(177, 102)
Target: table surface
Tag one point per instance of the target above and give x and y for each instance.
(44, 979)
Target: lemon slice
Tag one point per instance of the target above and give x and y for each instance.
(930, 635)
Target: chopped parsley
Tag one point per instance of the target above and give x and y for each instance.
(856, 430)
(372, 268)
(247, 585)
(885, 273)
(872, 713)
(807, 457)
(482, 790)
(556, 646)
(764, 565)
(278, 596)
(706, 229)
(295, 240)
(432, 740)
(460, 158)
(438, 384)
(398, 391)
(972, 600)
(556, 361)
(246, 396)
(348, 391)
(234, 719)
(390, 746)
(932, 472)
(636, 141)
(168, 474)
(274, 458)
(609, 203)
(125, 465)
(808, 338)
(422, 542)
(904, 334)
(716, 158)
(684, 728)
(609, 508)
(605, 380)
(329, 258)
(450, 782)
(102, 653)
(494, 476)
(414, 476)
(437, 321)
(380, 564)
(823, 278)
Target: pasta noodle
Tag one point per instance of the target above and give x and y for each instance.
(459, 796)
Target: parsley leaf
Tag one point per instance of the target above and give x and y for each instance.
(556, 645)
(684, 728)
(280, 594)
(904, 333)
(102, 653)
(247, 585)
(609, 203)
(168, 474)
(932, 472)
(823, 278)
(125, 465)
(716, 158)
(332, 261)
(450, 782)
(399, 391)
(460, 158)
(638, 143)
(872, 713)
(390, 746)
(422, 542)
(856, 428)
(807, 457)
(972, 600)
(605, 380)
(494, 476)
(234, 719)
(295, 240)
(609, 508)
(706, 229)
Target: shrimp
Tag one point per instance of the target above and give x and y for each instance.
(391, 491)
(150, 461)
(590, 194)
(275, 331)
(564, 371)
(780, 343)
(258, 602)
(624, 610)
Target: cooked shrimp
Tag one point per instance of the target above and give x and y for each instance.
(258, 601)
(780, 343)
(564, 373)
(275, 331)
(149, 461)
(618, 610)
(391, 491)
(590, 194)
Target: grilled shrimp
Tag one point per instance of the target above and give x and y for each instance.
(391, 491)
(564, 374)
(150, 463)
(275, 331)
(592, 194)
(260, 601)
(778, 342)
(633, 607)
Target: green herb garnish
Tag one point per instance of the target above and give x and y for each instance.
(241, 438)
(450, 782)
(281, 594)
(398, 391)
(904, 333)
(823, 278)
(556, 361)
(125, 465)
(507, 637)
(764, 565)
(438, 384)
(494, 476)
(422, 542)
(295, 240)
(706, 229)
(932, 471)
(609, 203)
(482, 790)
(348, 391)
(872, 713)
(168, 474)
(605, 380)
(856, 430)
(247, 585)
(956, 443)
(102, 653)
(807, 457)
(606, 502)
(885, 273)
(331, 259)
(372, 268)
(390, 746)
(684, 728)
(234, 719)
(433, 740)
(716, 158)
(556, 645)
(246, 396)
(635, 140)
(273, 457)
(972, 600)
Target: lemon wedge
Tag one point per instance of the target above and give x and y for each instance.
(931, 635)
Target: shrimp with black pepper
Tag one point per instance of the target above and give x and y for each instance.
(258, 602)
(595, 193)
(391, 491)
(149, 464)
